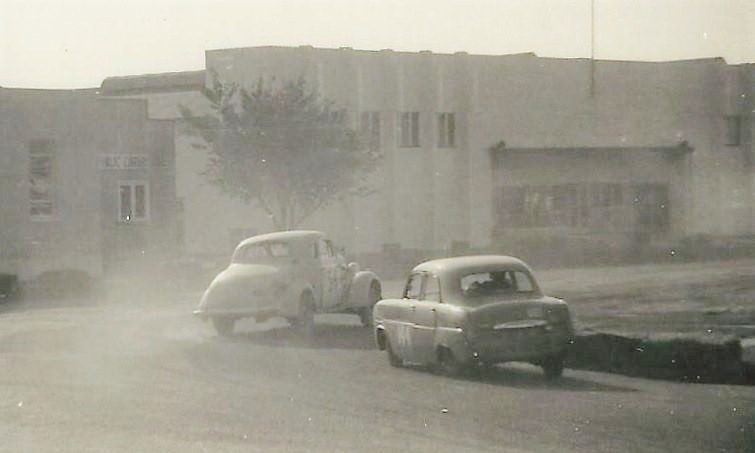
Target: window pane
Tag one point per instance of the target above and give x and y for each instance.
(523, 282)
(125, 214)
(451, 131)
(140, 202)
(413, 287)
(432, 290)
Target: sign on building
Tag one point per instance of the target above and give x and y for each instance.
(123, 161)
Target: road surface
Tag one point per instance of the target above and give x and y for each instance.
(143, 375)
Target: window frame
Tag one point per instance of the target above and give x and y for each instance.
(132, 184)
(43, 148)
(408, 135)
(446, 125)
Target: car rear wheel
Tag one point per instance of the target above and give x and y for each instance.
(553, 367)
(448, 365)
(223, 326)
(305, 321)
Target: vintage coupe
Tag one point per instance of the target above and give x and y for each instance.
(461, 312)
(291, 274)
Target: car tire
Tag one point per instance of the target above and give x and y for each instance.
(393, 359)
(448, 364)
(305, 321)
(365, 313)
(223, 326)
(553, 367)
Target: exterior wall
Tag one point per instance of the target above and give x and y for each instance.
(83, 232)
(69, 238)
(428, 197)
(617, 121)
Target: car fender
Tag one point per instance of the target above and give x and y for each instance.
(359, 289)
(453, 338)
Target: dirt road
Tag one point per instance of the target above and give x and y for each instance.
(126, 378)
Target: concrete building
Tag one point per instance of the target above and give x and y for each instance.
(86, 183)
(540, 157)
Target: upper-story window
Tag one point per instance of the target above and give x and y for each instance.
(369, 128)
(133, 201)
(41, 179)
(446, 130)
(408, 123)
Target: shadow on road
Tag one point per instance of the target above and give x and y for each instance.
(523, 376)
(325, 337)
(533, 378)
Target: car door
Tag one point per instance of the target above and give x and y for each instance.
(328, 274)
(425, 320)
(404, 327)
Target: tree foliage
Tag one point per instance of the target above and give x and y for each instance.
(283, 147)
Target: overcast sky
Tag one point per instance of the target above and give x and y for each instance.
(77, 43)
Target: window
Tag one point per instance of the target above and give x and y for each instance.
(279, 249)
(133, 201)
(523, 283)
(496, 283)
(432, 288)
(408, 136)
(369, 128)
(323, 249)
(41, 179)
(446, 130)
(733, 130)
(413, 287)
(251, 253)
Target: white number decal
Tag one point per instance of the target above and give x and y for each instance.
(404, 337)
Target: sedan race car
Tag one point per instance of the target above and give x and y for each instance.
(475, 310)
(291, 274)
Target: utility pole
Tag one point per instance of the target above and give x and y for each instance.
(592, 48)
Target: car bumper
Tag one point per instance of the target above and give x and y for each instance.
(524, 347)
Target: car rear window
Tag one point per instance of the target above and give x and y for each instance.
(262, 251)
(480, 284)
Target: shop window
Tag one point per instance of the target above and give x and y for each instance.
(41, 180)
(408, 123)
(133, 202)
(369, 128)
(446, 130)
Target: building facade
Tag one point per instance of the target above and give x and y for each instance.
(512, 153)
(86, 183)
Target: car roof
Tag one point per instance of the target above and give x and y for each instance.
(473, 263)
(293, 235)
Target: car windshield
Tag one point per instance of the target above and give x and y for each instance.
(261, 252)
(504, 282)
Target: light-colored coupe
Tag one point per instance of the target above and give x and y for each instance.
(475, 310)
(291, 274)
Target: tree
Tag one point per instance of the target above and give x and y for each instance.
(285, 148)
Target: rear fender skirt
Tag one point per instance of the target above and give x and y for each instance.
(359, 289)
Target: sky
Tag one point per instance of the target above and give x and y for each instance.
(77, 43)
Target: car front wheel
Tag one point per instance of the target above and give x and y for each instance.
(393, 359)
(223, 326)
(553, 367)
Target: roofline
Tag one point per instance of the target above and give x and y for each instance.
(712, 59)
